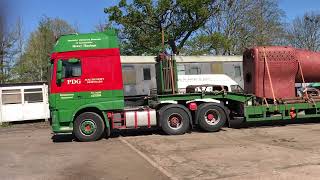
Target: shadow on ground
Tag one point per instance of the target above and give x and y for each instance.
(147, 132)
(59, 138)
(278, 123)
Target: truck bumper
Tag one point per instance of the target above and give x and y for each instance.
(58, 127)
(61, 129)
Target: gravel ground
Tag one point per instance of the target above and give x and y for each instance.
(29, 151)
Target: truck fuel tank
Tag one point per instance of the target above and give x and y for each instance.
(142, 118)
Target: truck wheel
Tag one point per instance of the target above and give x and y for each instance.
(175, 121)
(88, 126)
(211, 118)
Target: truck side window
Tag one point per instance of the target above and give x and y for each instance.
(71, 69)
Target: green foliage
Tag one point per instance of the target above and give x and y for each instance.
(5, 125)
(215, 43)
(238, 25)
(196, 27)
(10, 47)
(32, 66)
(141, 23)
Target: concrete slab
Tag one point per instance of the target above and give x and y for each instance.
(287, 152)
(27, 152)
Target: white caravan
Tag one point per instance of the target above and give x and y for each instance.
(24, 101)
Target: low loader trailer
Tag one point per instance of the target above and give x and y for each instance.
(87, 97)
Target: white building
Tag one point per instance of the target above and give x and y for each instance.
(24, 101)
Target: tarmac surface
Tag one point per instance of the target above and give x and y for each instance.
(30, 151)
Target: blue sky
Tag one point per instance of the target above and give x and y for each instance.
(85, 14)
(294, 8)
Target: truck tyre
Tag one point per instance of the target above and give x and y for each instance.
(211, 118)
(174, 121)
(88, 126)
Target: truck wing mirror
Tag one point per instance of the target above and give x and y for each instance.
(59, 78)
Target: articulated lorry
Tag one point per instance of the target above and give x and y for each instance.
(87, 96)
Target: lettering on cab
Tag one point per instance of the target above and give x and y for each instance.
(74, 81)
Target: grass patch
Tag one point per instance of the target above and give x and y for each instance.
(4, 124)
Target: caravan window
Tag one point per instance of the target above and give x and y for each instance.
(129, 75)
(237, 71)
(33, 95)
(12, 96)
(146, 74)
(194, 70)
(181, 69)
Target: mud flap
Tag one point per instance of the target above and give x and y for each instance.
(236, 122)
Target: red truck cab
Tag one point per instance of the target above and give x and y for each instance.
(86, 76)
(87, 98)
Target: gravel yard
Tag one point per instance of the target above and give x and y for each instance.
(30, 151)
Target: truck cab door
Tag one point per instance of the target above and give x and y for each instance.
(67, 87)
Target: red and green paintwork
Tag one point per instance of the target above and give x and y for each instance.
(90, 41)
(100, 84)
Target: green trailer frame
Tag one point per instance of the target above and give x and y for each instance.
(253, 112)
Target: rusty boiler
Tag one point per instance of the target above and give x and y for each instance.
(271, 72)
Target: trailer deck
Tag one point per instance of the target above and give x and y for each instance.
(289, 109)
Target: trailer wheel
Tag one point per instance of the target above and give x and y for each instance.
(174, 121)
(211, 118)
(88, 126)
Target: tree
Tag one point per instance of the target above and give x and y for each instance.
(141, 22)
(3, 47)
(222, 31)
(33, 64)
(305, 32)
(204, 44)
(238, 25)
(57, 26)
(11, 42)
(265, 24)
(102, 26)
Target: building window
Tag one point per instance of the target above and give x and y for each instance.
(146, 74)
(237, 71)
(33, 95)
(12, 96)
(128, 75)
(71, 69)
(194, 70)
